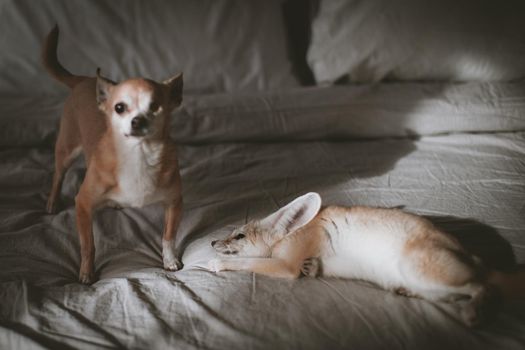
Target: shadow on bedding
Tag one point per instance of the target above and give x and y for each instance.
(479, 239)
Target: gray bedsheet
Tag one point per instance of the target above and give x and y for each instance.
(454, 153)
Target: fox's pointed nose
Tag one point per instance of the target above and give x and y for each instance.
(213, 243)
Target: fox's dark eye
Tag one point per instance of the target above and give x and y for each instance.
(153, 106)
(120, 108)
(240, 236)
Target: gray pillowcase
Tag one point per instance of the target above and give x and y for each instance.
(458, 40)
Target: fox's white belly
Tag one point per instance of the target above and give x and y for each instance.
(365, 250)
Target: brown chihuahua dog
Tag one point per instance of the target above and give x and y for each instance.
(123, 130)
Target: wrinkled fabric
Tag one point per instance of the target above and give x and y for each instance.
(451, 152)
(393, 110)
(454, 153)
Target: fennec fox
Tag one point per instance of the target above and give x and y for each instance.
(398, 251)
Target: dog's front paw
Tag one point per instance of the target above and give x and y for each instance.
(170, 256)
(86, 274)
(172, 263)
(215, 265)
(86, 277)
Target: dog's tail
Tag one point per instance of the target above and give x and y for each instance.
(50, 60)
(511, 285)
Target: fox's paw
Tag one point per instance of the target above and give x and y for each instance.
(311, 267)
(404, 292)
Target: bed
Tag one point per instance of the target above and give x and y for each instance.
(451, 151)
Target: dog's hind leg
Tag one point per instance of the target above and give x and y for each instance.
(63, 159)
(67, 148)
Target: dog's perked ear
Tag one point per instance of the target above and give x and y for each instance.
(104, 87)
(175, 85)
(294, 215)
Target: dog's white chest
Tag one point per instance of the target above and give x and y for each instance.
(137, 175)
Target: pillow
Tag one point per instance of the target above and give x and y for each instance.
(460, 40)
(226, 45)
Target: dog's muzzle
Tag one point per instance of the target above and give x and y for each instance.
(139, 126)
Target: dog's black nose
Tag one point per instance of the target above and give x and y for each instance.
(139, 123)
(213, 243)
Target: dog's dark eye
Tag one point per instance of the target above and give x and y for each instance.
(120, 108)
(240, 236)
(153, 106)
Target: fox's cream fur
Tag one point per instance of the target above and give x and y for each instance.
(398, 251)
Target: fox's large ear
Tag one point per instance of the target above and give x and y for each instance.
(104, 87)
(175, 85)
(295, 214)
